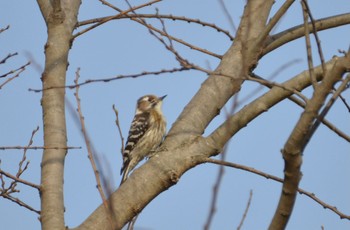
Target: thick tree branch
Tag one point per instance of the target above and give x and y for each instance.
(273, 21)
(296, 32)
(296, 143)
(199, 111)
(60, 24)
(184, 147)
(239, 120)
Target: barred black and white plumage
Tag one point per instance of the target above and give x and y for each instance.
(146, 132)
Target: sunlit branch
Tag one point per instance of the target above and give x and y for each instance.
(296, 32)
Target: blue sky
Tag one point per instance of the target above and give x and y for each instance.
(124, 47)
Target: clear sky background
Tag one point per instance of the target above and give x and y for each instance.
(125, 47)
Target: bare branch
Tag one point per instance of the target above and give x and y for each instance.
(19, 71)
(150, 27)
(324, 121)
(308, 45)
(215, 192)
(35, 147)
(163, 16)
(296, 143)
(89, 81)
(113, 17)
(109, 210)
(246, 210)
(220, 174)
(232, 125)
(7, 57)
(275, 178)
(269, 78)
(326, 109)
(296, 32)
(318, 41)
(17, 179)
(273, 21)
(119, 129)
(4, 29)
(20, 203)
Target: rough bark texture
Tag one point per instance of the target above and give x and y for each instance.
(296, 143)
(60, 18)
(184, 146)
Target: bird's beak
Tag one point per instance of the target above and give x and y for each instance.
(162, 97)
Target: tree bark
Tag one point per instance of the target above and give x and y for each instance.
(60, 18)
(184, 146)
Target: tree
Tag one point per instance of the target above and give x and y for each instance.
(190, 142)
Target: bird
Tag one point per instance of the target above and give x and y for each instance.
(146, 133)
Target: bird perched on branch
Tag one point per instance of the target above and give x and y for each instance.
(146, 132)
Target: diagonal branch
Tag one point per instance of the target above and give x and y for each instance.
(296, 143)
(114, 17)
(161, 32)
(326, 109)
(163, 16)
(17, 179)
(109, 210)
(275, 178)
(308, 46)
(239, 120)
(20, 203)
(273, 21)
(118, 77)
(296, 32)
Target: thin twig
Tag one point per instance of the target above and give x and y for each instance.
(7, 57)
(114, 17)
(150, 27)
(24, 157)
(275, 178)
(269, 78)
(119, 129)
(89, 81)
(20, 70)
(163, 16)
(246, 210)
(345, 103)
(308, 46)
(20, 203)
(6, 192)
(256, 78)
(90, 152)
(220, 175)
(15, 70)
(3, 29)
(35, 147)
(326, 109)
(324, 121)
(228, 16)
(17, 179)
(318, 41)
(215, 192)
